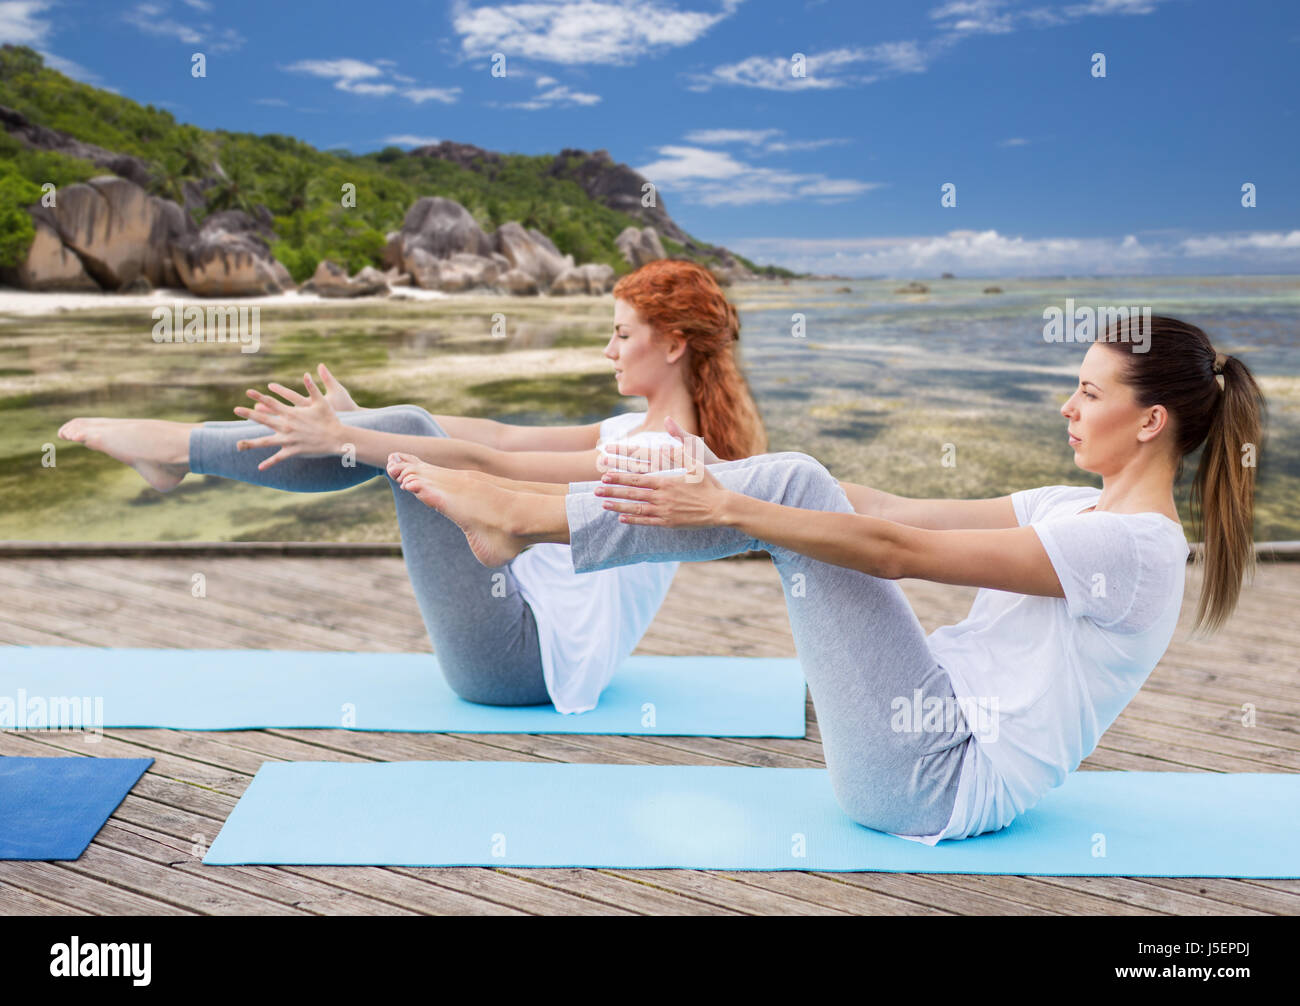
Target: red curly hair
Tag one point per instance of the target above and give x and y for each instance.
(677, 297)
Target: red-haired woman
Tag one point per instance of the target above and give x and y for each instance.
(529, 631)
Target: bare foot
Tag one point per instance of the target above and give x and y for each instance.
(150, 446)
(481, 510)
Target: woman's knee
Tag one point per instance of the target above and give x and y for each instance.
(410, 420)
(806, 482)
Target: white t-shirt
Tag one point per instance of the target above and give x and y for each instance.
(589, 623)
(1040, 679)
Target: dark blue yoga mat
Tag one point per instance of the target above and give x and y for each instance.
(51, 808)
(249, 689)
(519, 814)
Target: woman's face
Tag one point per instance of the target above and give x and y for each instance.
(1105, 426)
(643, 361)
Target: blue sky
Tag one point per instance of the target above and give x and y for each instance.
(1056, 171)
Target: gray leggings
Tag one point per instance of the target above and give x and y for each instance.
(485, 639)
(862, 650)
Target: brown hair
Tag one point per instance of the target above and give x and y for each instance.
(1180, 370)
(677, 297)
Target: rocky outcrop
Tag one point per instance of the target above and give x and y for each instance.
(640, 245)
(531, 252)
(593, 278)
(22, 129)
(466, 155)
(50, 265)
(442, 227)
(519, 283)
(616, 186)
(120, 232)
(228, 257)
(442, 248)
(607, 182)
(331, 280)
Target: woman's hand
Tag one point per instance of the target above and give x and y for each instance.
(696, 499)
(335, 393)
(310, 427)
(623, 456)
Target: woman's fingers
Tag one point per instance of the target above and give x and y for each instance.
(639, 507)
(259, 416)
(630, 479)
(245, 445)
(627, 518)
(273, 404)
(275, 459)
(624, 492)
(288, 394)
(312, 390)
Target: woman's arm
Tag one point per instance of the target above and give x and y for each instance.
(373, 447)
(1011, 559)
(933, 514)
(508, 437)
(1002, 558)
(310, 427)
(501, 436)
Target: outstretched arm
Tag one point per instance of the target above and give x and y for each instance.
(1011, 559)
(309, 426)
(933, 514)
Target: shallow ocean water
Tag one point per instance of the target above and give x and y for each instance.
(952, 393)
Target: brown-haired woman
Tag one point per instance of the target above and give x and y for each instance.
(959, 732)
(528, 631)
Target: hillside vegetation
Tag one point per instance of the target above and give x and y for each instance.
(300, 185)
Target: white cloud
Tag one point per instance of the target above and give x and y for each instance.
(856, 66)
(715, 178)
(21, 24)
(1015, 141)
(555, 94)
(988, 253)
(963, 18)
(365, 87)
(758, 140)
(1260, 241)
(975, 17)
(153, 19)
(72, 69)
(359, 77)
(835, 68)
(753, 137)
(419, 95)
(273, 102)
(407, 140)
(586, 32)
(336, 69)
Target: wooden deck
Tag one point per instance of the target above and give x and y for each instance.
(1188, 717)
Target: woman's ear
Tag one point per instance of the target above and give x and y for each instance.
(676, 348)
(1155, 421)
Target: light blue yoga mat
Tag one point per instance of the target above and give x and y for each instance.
(1146, 824)
(51, 808)
(248, 689)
